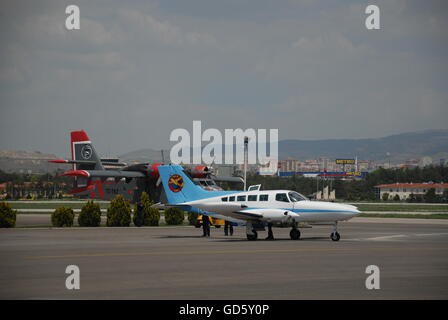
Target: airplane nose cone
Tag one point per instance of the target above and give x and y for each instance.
(290, 216)
(294, 216)
(352, 210)
(355, 210)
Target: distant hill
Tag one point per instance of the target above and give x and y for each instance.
(413, 145)
(27, 162)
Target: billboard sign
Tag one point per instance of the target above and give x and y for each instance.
(345, 161)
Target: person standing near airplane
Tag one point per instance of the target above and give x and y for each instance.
(205, 226)
(270, 233)
(227, 226)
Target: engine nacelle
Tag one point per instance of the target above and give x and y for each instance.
(279, 215)
(200, 171)
(154, 170)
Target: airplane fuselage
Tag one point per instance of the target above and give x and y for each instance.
(274, 206)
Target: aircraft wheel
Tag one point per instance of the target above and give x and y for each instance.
(294, 234)
(252, 237)
(335, 236)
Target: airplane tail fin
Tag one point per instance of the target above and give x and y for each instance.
(83, 152)
(179, 188)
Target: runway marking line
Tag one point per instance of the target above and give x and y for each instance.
(387, 237)
(119, 254)
(396, 236)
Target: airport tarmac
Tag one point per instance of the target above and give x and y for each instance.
(44, 220)
(177, 263)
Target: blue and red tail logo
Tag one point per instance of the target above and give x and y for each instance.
(175, 183)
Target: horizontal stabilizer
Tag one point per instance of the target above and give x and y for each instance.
(77, 173)
(72, 161)
(160, 205)
(104, 162)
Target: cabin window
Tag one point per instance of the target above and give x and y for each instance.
(252, 198)
(224, 199)
(232, 198)
(264, 197)
(241, 198)
(281, 197)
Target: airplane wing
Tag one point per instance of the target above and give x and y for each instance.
(227, 179)
(104, 174)
(265, 214)
(248, 214)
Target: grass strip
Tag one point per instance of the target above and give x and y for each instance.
(404, 215)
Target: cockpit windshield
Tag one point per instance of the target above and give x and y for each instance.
(296, 197)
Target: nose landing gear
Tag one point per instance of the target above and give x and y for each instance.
(335, 236)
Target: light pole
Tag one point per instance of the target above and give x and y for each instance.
(246, 141)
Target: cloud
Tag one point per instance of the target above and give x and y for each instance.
(163, 30)
(135, 71)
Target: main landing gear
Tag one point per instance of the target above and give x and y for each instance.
(251, 234)
(335, 236)
(294, 234)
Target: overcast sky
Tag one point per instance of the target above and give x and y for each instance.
(136, 70)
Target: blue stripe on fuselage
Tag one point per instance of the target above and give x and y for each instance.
(317, 210)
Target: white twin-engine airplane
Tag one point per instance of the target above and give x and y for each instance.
(255, 209)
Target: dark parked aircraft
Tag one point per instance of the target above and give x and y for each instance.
(103, 179)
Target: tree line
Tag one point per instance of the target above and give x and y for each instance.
(354, 189)
(351, 190)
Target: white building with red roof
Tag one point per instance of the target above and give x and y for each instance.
(404, 190)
